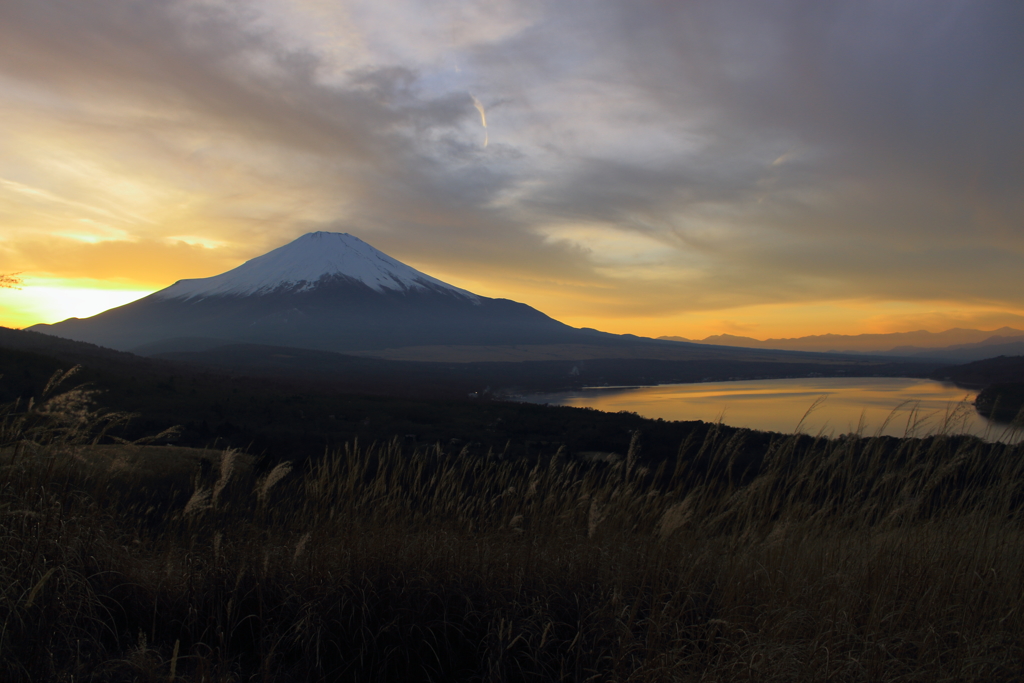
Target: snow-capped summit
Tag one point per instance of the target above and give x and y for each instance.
(313, 259)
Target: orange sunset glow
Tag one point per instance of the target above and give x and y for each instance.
(683, 170)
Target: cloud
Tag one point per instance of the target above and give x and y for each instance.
(906, 125)
(653, 159)
(483, 118)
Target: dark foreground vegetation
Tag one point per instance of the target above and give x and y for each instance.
(735, 556)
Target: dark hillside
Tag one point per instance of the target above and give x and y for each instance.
(294, 402)
(298, 418)
(1002, 397)
(998, 370)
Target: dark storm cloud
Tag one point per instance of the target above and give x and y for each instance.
(881, 139)
(166, 54)
(895, 79)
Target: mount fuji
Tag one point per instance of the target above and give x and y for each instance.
(325, 291)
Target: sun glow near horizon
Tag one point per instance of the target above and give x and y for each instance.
(41, 299)
(51, 300)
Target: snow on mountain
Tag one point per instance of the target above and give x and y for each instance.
(302, 264)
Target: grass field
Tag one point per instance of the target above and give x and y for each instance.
(736, 558)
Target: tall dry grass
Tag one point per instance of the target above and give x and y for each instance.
(849, 559)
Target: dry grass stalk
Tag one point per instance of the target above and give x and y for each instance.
(227, 468)
(198, 503)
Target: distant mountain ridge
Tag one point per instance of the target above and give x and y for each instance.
(955, 344)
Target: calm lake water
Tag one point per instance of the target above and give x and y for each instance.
(894, 406)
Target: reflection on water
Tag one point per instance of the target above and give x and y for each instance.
(895, 406)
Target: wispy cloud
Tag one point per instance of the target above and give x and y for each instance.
(483, 118)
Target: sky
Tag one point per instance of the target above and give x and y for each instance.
(769, 168)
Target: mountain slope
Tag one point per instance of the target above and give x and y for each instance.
(325, 291)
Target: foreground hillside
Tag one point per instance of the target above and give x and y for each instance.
(734, 556)
(290, 404)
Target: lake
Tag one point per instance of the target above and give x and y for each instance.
(894, 406)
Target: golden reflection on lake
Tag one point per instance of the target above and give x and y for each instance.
(894, 406)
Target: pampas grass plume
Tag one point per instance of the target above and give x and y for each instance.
(277, 474)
